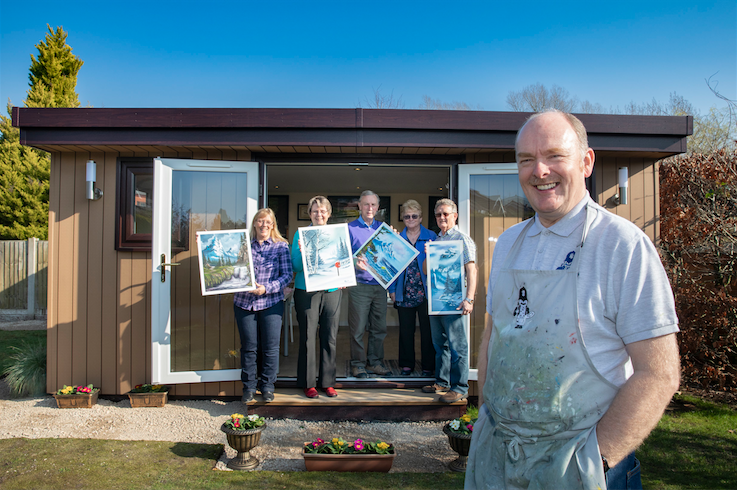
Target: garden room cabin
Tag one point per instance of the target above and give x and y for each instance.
(218, 167)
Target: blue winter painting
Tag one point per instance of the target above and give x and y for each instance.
(387, 255)
(225, 262)
(445, 273)
(326, 257)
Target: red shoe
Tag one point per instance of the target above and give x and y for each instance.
(331, 392)
(311, 393)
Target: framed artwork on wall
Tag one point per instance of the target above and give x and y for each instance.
(345, 209)
(303, 214)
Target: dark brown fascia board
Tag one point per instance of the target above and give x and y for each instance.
(491, 140)
(151, 118)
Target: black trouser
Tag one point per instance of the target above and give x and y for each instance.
(322, 309)
(407, 318)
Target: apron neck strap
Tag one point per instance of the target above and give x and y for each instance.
(514, 251)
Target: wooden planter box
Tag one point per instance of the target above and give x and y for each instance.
(349, 462)
(77, 401)
(139, 400)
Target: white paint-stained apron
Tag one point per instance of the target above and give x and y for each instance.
(543, 396)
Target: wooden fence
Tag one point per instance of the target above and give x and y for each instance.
(23, 277)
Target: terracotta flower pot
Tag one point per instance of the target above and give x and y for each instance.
(349, 462)
(460, 443)
(157, 399)
(79, 400)
(243, 441)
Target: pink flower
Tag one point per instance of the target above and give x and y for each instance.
(469, 427)
(319, 442)
(236, 423)
(358, 445)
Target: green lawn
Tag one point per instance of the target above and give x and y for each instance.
(95, 464)
(692, 447)
(695, 446)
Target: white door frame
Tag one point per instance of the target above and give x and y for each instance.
(161, 244)
(465, 171)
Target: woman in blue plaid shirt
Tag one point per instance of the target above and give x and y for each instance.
(258, 313)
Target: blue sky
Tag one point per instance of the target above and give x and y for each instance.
(334, 54)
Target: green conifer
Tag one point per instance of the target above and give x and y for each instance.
(24, 171)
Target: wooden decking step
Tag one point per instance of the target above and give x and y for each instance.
(395, 404)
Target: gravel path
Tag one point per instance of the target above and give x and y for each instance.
(421, 446)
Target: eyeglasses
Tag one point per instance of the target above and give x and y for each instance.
(411, 216)
(438, 215)
(262, 222)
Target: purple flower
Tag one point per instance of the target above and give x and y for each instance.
(358, 445)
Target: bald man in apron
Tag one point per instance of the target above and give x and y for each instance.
(579, 358)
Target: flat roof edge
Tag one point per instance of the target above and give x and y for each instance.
(241, 118)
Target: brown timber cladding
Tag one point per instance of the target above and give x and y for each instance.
(100, 324)
(99, 312)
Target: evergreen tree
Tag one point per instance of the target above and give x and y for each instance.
(24, 171)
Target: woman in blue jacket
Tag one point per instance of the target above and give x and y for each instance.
(409, 293)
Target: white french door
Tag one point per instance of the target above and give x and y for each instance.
(194, 337)
(490, 200)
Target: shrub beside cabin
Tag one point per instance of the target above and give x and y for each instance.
(112, 321)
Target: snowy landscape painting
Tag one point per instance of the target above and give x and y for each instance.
(326, 257)
(387, 255)
(225, 261)
(445, 273)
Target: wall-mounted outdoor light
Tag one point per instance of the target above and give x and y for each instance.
(621, 197)
(93, 193)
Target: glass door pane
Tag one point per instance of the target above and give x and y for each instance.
(203, 330)
(194, 337)
(492, 197)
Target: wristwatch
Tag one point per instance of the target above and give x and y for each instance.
(605, 463)
(470, 301)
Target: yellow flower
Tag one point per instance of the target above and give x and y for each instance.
(466, 418)
(335, 440)
(340, 443)
(382, 445)
(67, 390)
(236, 416)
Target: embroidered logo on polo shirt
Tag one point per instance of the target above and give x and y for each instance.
(568, 261)
(522, 312)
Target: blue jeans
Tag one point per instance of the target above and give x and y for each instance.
(451, 352)
(260, 333)
(625, 475)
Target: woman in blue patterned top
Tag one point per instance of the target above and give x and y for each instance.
(409, 293)
(258, 313)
